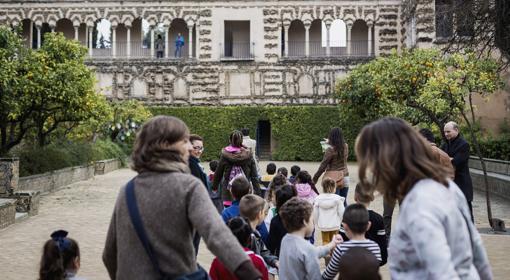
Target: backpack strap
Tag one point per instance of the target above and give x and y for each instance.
(134, 214)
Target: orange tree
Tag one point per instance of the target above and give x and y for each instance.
(421, 86)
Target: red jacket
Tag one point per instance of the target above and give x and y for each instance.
(219, 272)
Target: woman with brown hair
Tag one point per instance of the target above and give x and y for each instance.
(173, 204)
(434, 237)
(334, 163)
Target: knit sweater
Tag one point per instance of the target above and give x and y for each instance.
(172, 206)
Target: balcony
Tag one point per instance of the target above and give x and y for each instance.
(318, 50)
(237, 51)
(138, 50)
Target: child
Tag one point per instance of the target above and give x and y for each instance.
(298, 258)
(376, 231)
(356, 224)
(293, 173)
(328, 211)
(278, 181)
(283, 171)
(242, 230)
(240, 188)
(61, 258)
(277, 230)
(304, 186)
(359, 263)
(270, 170)
(253, 208)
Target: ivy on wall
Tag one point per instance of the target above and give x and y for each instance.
(296, 130)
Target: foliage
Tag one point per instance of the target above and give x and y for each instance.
(296, 130)
(127, 117)
(420, 86)
(56, 156)
(43, 90)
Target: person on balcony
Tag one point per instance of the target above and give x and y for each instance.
(179, 43)
(160, 46)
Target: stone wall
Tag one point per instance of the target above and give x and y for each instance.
(106, 166)
(7, 212)
(51, 181)
(498, 172)
(216, 83)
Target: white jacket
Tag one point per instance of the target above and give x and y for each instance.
(328, 211)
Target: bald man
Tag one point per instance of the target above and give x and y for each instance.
(458, 150)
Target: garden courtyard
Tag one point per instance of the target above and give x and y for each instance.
(85, 208)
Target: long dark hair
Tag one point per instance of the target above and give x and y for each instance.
(336, 140)
(236, 139)
(58, 255)
(241, 230)
(397, 156)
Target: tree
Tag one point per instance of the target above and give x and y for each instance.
(127, 117)
(20, 71)
(422, 86)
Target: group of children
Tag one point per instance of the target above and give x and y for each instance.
(277, 232)
(283, 223)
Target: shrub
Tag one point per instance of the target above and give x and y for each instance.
(296, 130)
(65, 154)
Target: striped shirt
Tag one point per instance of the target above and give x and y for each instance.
(334, 264)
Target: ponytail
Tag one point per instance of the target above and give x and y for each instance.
(58, 255)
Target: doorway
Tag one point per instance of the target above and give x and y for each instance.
(264, 140)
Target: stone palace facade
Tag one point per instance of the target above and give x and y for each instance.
(234, 52)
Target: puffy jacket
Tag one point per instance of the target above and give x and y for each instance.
(306, 192)
(328, 211)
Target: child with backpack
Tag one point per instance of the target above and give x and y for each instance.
(356, 223)
(305, 187)
(242, 231)
(253, 209)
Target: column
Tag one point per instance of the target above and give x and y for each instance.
(348, 31)
(307, 40)
(52, 29)
(190, 41)
(152, 42)
(114, 41)
(38, 36)
(328, 40)
(286, 34)
(76, 32)
(31, 34)
(90, 39)
(166, 41)
(128, 43)
(370, 27)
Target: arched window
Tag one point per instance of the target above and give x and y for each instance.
(337, 34)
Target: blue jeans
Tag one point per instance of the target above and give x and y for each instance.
(343, 191)
(178, 51)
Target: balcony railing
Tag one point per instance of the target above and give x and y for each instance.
(137, 49)
(317, 49)
(237, 51)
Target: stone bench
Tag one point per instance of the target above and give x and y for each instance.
(7, 212)
(105, 166)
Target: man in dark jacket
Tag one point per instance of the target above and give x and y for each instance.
(196, 170)
(458, 150)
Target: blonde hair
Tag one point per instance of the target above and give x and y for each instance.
(328, 185)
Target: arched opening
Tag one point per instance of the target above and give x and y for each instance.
(66, 27)
(296, 38)
(27, 32)
(45, 28)
(337, 38)
(359, 38)
(444, 18)
(140, 33)
(102, 38)
(178, 38)
(315, 40)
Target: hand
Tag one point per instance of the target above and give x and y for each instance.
(337, 239)
(277, 264)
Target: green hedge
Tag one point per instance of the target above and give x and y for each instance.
(56, 156)
(297, 130)
(495, 148)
